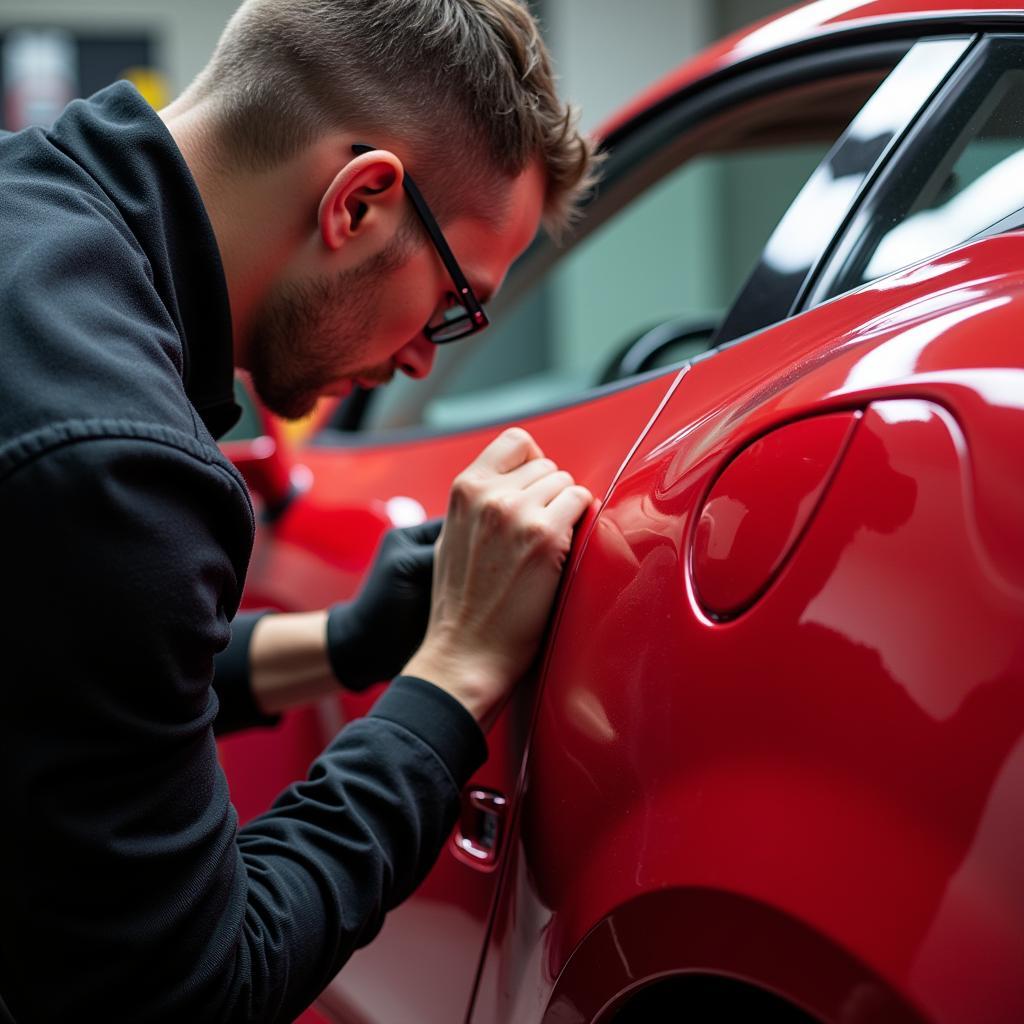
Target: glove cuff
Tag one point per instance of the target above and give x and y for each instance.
(342, 638)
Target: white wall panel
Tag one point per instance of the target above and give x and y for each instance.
(607, 50)
(184, 32)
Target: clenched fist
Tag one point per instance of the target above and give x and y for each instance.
(500, 556)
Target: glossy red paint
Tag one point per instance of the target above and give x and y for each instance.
(746, 530)
(818, 21)
(819, 795)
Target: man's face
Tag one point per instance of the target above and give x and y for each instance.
(331, 330)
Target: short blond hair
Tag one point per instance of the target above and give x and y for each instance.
(468, 84)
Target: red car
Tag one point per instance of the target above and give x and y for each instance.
(771, 762)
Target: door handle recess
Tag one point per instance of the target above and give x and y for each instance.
(760, 507)
(478, 837)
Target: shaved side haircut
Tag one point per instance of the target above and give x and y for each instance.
(467, 85)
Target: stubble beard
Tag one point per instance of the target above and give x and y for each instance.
(309, 335)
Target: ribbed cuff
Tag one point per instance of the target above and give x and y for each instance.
(232, 681)
(439, 720)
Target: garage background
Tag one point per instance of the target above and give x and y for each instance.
(606, 51)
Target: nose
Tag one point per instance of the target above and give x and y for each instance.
(416, 358)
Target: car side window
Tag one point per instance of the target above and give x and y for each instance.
(677, 232)
(961, 175)
(249, 424)
(669, 257)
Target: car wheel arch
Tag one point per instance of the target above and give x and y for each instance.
(628, 950)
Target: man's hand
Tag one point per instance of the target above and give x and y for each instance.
(500, 556)
(372, 637)
(300, 657)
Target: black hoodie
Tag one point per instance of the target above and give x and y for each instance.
(127, 892)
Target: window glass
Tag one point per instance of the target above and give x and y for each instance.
(963, 176)
(665, 258)
(689, 223)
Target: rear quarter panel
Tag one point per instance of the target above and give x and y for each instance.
(822, 795)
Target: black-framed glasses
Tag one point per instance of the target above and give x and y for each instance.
(464, 317)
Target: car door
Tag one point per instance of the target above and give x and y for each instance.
(649, 282)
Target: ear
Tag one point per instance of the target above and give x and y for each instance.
(364, 196)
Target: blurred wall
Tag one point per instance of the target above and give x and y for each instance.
(183, 31)
(607, 51)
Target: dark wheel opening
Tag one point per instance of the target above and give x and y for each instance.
(707, 999)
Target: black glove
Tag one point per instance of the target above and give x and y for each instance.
(372, 637)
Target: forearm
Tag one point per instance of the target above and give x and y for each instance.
(288, 662)
(289, 666)
(473, 683)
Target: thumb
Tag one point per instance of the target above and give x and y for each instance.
(415, 550)
(425, 533)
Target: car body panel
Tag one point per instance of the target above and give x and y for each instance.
(836, 762)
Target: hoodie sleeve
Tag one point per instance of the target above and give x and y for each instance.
(125, 875)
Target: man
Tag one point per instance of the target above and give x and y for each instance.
(265, 219)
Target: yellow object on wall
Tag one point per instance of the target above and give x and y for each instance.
(152, 84)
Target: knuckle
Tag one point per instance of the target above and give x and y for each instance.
(496, 507)
(538, 533)
(464, 487)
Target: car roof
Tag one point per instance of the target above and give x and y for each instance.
(805, 23)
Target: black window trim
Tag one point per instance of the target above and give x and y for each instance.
(903, 27)
(1012, 222)
(770, 295)
(974, 64)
